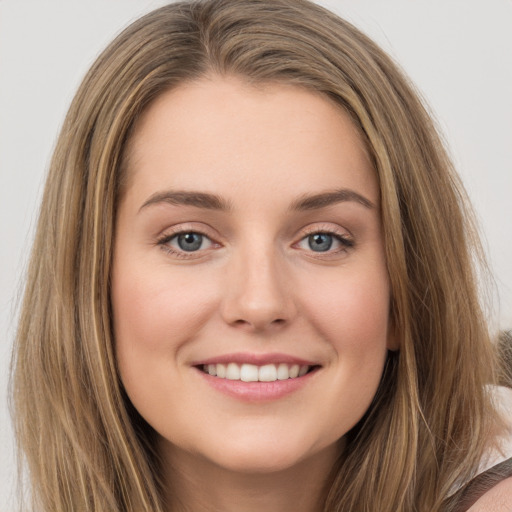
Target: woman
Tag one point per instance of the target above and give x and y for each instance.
(252, 281)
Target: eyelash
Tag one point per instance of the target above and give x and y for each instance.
(347, 242)
(165, 239)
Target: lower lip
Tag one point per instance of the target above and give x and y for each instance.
(257, 391)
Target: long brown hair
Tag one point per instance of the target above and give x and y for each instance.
(86, 447)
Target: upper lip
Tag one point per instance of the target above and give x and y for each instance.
(255, 359)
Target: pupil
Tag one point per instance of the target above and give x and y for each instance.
(190, 241)
(320, 242)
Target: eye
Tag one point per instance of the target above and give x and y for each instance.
(189, 242)
(322, 241)
(185, 242)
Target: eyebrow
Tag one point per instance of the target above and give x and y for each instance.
(183, 198)
(325, 199)
(214, 202)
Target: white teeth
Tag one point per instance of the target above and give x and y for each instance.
(303, 370)
(221, 371)
(267, 373)
(249, 373)
(233, 372)
(294, 371)
(282, 372)
(253, 373)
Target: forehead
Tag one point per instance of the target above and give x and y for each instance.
(222, 130)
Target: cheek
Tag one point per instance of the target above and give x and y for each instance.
(159, 310)
(352, 315)
(352, 311)
(156, 314)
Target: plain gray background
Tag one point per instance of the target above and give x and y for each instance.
(458, 52)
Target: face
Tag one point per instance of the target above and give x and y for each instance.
(249, 287)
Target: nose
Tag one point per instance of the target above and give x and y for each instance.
(258, 295)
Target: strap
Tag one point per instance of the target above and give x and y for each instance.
(470, 493)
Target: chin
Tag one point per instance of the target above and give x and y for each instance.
(258, 463)
(271, 456)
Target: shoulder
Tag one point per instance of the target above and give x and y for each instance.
(497, 499)
(491, 488)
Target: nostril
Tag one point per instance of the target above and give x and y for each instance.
(242, 322)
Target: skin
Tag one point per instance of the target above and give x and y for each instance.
(255, 286)
(498, 499)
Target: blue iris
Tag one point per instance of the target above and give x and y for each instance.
(190, 242)
(320, 242)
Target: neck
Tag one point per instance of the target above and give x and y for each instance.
(194, 484)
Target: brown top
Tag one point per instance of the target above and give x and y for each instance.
(470, 493)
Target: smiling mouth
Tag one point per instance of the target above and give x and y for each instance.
(254, 373)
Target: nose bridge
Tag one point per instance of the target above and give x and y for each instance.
(256, 293)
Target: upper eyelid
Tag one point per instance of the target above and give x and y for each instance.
(331, 231)
(188, 227)
(320, 227)
(167, 237)
(344, 240)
